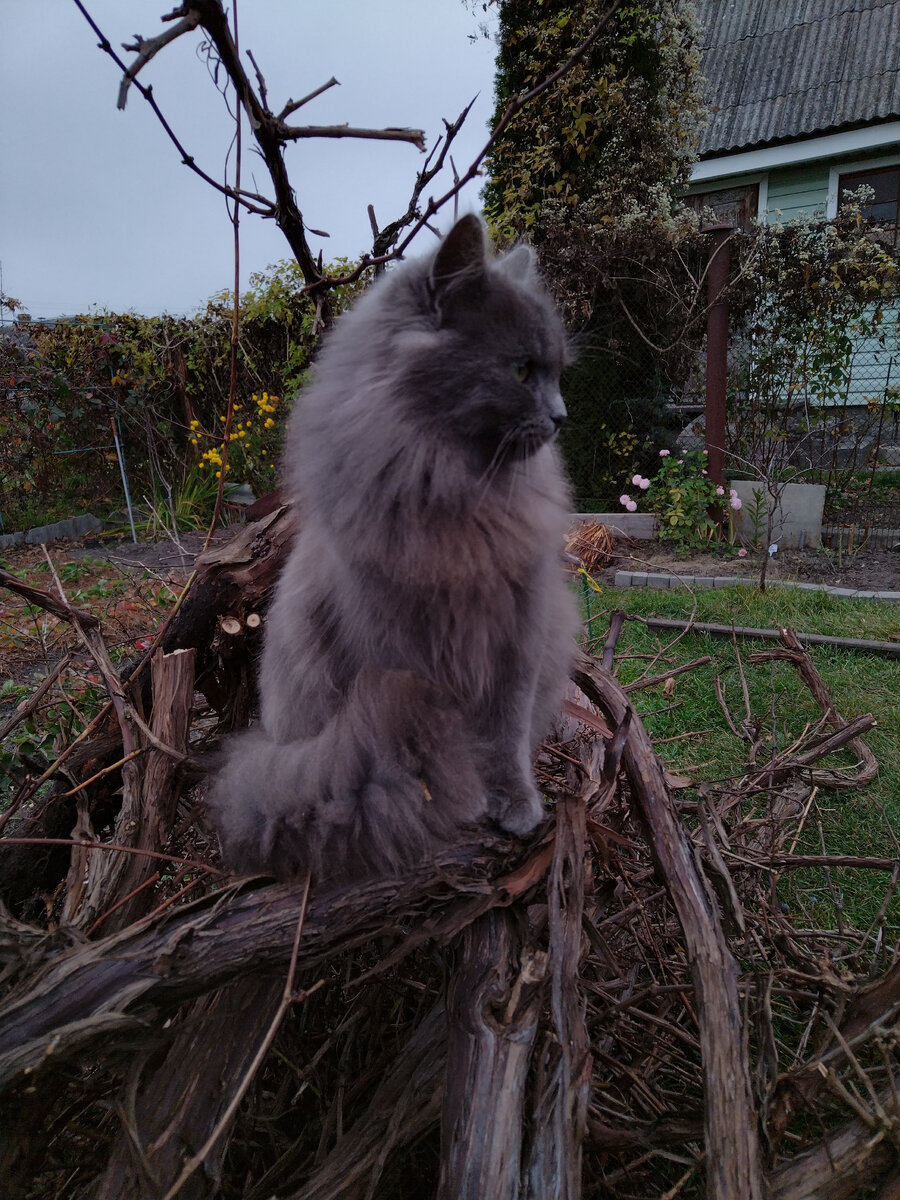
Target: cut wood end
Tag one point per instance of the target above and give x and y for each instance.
(254, 620)
(230, 625)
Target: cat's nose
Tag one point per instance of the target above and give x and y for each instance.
(558, 418)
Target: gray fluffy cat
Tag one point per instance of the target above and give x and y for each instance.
(419, 640)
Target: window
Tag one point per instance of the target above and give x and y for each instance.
(884, 206)
(736, 206)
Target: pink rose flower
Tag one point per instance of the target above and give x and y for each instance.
(735, 502)
(625, 499)
(664, 454)
(742, 553)
(631, 506)
(720, 491)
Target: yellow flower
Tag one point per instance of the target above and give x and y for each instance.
(268, 423)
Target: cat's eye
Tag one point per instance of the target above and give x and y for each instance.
(521, 370)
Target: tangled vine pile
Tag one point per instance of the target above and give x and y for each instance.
(624, 1006)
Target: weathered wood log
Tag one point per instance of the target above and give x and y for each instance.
(559, 1119)
(404, 1106)
(168, 1115)
(734, 1169)
(493, 1007)
(233, 583)
(859, 1154)
(86, 995)
(93, 881)
(173, 691)
(222, 617)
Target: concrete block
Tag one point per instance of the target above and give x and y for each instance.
(658, 581)
(74, 527)
(623, 579)
(640, 526)
(797, 512)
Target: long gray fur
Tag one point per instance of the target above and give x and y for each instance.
(419, 639)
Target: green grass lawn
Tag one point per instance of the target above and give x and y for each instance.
(692, 736)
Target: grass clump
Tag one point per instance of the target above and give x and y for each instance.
(691, 734)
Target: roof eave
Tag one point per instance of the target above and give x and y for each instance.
(839, 144)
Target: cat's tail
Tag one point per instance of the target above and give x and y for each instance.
(388, 781)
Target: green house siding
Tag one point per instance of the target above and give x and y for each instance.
(797, 193)
(800, 192)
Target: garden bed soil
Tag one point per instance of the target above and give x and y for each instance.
(876, 569)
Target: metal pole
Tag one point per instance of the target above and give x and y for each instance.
(120, 454)
(716, 349)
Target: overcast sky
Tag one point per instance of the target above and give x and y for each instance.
(96, 210)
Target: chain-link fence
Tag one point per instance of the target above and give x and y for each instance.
(813, 369)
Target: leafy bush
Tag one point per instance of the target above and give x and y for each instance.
(65, 386)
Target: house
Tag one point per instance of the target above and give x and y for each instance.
(804, 99)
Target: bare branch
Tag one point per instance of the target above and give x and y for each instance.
(267, 207)
(293, 105)
(146, 48)
(434, 206)
(59, 608)
(291, 133)
(260, 79)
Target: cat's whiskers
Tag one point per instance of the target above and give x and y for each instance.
(498, 458)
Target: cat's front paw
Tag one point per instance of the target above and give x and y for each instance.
(518, 809)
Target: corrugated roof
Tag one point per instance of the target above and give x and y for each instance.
(777, 70)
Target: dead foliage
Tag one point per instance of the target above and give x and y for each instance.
(592, 543)
(625, 1006)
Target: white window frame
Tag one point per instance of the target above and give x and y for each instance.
(852, 168)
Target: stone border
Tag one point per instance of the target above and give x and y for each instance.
(74, 527)
(652, 579)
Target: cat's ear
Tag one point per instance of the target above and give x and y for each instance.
(520, 263)
(461, 255)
